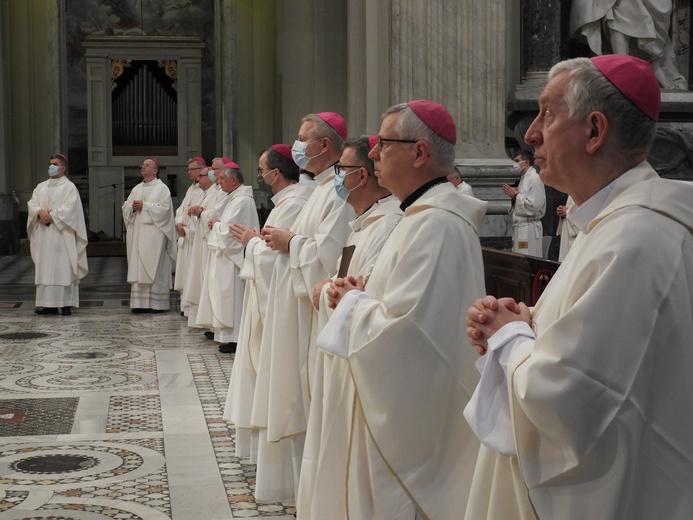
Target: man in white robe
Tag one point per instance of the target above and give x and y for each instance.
(278, 173)
(527, 208)
(211, 206)
(58, 240)
(566, 229)
(151, 241)
(185, 226)
(322, 484)
(221, 298)
(309, 252)
(409, 452)
(581, 404)
(455, 179)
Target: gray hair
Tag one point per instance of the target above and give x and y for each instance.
(231, 173)
(410, 126)
(322, 130)
(589, 91)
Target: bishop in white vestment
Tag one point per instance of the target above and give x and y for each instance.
(58, 240)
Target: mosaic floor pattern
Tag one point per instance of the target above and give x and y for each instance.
(108, 415)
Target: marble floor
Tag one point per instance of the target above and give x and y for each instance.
(109, 415)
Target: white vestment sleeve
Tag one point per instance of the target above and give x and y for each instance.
(334, 338)
(488, 411)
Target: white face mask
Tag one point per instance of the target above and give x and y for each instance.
(298, 152)
(517, 167)
(52, 170)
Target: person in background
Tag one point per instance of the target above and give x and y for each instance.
(566, 229)
(185, 226)
(221, 299)
(57, 239)
(151, 241)
(527, 207)
(455, 178)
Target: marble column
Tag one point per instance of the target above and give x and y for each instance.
(541, 43)
(4, 159)
(453, 52)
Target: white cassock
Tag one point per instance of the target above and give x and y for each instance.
(465, 189)
(151, 245)
(59, 251)
(281, 399)
(598, 394)
(221, 298)
(567, 231)
(323, 481)
(193, 197)
(529, 207)
(213, 202)
(257, 272)
(405, 447)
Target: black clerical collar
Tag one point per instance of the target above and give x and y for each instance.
(411, 199)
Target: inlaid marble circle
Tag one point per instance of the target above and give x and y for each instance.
(106, 463)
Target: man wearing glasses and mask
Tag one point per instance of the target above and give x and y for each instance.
(409, 452)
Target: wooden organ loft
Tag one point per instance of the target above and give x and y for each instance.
(144, 108)
(143, 100)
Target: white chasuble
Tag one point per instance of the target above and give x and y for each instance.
(151, 245)
(282, 398)
(597, 398)
(59, 249)
(221, 298)
(193, 197)
(326, 449)
(411, 370)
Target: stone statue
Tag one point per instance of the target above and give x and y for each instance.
(636, 27)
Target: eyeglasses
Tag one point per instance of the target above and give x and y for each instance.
(146, 166)
(193, 169)
(340, 169)
(382, 140)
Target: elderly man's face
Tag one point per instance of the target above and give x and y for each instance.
(559, 142)
(393, 161)
(203, 180)
(227, 181)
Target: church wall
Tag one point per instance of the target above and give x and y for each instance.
(32, 113)
(312, 58)
(85, 18)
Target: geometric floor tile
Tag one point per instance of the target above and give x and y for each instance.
(21, 417)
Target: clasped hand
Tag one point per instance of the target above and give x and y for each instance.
(488, 314)
(277, 239)
(340, 287)
(243, 234)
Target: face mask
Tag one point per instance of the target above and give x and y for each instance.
(298, 152)
(342, 191)
(52, 170)
(212, 177)
(264, 185)
(516, 167)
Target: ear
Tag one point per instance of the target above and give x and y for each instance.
(422, 153)
(598, 126)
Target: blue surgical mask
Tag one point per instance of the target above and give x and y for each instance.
(52, 170)
(298, 152)
(210, 174)
(342, 191)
